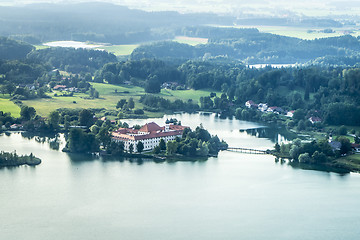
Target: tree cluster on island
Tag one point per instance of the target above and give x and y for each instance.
(195, 143)
(12, 159)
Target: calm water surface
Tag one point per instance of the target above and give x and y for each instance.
(234, 196)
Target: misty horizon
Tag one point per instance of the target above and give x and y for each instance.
(279, 8)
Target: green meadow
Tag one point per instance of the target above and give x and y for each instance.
(8, 106)
(109, 96)
(119, 50)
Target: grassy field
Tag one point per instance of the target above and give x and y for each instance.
(109, 96)
(119, 50)
(8, 106)
(39, 47)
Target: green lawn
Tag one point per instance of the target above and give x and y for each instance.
(109, 96)
(186, 94)
(119, 50)
(8, 106)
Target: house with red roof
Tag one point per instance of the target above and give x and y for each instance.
(150, 135)
(315, 120)
(290, 114)
(60, 87)
(251, 104)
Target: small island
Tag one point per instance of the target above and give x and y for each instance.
(148, 141)
(8, 159)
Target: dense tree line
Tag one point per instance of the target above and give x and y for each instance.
(252, 46)
(10, 49)
(195, 143)
(72, 60)
(315, 152)
(155, 103)
(329, 92)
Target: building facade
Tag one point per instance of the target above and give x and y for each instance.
(150, 135)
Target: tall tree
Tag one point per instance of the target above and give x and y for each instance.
(162, 144)
(140, 147)
(27, 113)
(86, 118)
(54, 119)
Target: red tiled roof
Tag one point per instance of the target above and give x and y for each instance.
(150, 127)
(315, 119)
(126, 137)
(154, 130)
(59, 86)
(177, 127)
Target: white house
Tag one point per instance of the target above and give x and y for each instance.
(314, 120)
(150, 135)
(263, 107)
(251, 104)
(277, 110)
(290, 114)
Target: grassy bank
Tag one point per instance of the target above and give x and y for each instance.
(350, 162)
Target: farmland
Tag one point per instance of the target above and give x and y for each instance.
(119, 50)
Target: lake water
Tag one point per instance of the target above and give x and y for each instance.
(234, 196)
(72, 44)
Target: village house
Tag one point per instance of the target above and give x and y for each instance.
(59, 87)
(356, 147)
(335, 145)
(263, 107)
(16, 126)
(251, 104)
(290, 114)
(150, 135)
(277, 110)
(315, 120)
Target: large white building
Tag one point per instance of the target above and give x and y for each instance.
(150, 135)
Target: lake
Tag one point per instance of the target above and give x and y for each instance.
(234, 196)
(72, 44)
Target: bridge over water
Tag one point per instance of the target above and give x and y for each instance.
(248, 150)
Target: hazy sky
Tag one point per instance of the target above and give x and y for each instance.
(266, 7)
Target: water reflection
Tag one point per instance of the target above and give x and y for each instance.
(55, 141)
(273, 133)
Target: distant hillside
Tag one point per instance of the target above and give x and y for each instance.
(251, 47)
(72, 60)
(11, 49)
(101, 22)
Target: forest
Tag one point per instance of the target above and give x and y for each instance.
(253, 47)
(330, 92)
